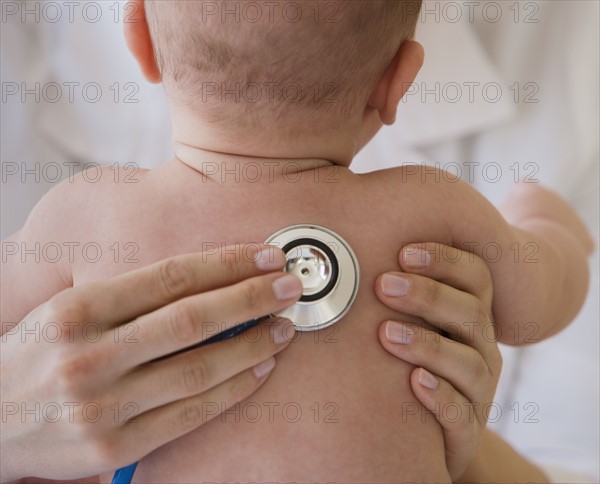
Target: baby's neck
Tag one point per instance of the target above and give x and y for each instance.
(230, 167)
(210, 149)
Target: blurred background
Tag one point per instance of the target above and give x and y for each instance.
(509, 92)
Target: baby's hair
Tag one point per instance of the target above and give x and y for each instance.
(258, 63)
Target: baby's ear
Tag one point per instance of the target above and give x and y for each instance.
(396, 80)
(137, 37)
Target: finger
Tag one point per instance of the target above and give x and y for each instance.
(157, 427)
(194, 319)
(460, 314)
(453, 411)
(457, 268)
(459, 364)
(124, 297)
(199, 370)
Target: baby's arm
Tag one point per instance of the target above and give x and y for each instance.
(537, 254)
(535, 211)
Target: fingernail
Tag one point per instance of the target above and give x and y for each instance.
(394, 285)
(416, 258)
(264, 367)
(427, 379)
(282, 331)
(398, 333)
(270, 258)
(287, 287)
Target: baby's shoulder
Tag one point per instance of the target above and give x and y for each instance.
(422, 200)
(414, 179)
(83, 199)
(101, 180)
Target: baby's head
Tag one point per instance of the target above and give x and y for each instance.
(294, 66)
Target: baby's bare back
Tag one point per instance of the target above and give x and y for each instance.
(337, 406)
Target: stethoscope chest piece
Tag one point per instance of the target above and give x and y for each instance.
(329, 272)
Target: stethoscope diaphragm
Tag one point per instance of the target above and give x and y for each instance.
(329, 272)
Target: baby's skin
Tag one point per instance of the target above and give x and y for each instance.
(337, 407)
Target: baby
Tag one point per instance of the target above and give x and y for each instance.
(270, 102)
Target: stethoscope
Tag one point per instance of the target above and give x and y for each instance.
(330, 277)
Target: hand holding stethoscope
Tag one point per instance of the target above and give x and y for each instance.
(67, 399)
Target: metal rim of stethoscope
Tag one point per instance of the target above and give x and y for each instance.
(328, 269)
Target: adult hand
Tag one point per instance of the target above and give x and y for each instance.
(87, 382)
(455, 377)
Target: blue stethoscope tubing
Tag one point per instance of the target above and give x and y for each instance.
(124, 475)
